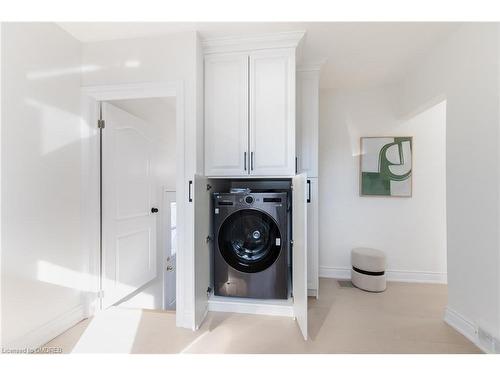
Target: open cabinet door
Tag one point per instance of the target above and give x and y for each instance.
(201, 247)
(299, 252)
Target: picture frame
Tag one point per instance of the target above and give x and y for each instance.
(386, 166)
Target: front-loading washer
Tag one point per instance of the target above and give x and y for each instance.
(251, 245)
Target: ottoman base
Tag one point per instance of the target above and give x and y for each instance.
(369, 283)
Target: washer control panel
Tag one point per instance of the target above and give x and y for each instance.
(245, 200)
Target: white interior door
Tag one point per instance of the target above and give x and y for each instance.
(128, 224)
(201, 247)
(299, 249)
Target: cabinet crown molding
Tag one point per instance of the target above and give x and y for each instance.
(311, 66)
(288, 39)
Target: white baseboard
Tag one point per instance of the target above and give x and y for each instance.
(244, 306)
(312, 293)
(43, 334)
(460, 324)
(334, 272)
(478, 336)
(392, 275)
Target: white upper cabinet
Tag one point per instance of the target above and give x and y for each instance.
(250, 105)
(226, 115)
(307, 121)
(272, 112)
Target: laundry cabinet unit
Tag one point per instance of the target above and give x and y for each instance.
(250, 113)
(249, 134)
(307, 145)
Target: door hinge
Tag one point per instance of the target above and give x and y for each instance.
(209, 291)
(209, 187)
(101, 124)
(100, 294)
(208, 239)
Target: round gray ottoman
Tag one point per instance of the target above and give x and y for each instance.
(368, 269)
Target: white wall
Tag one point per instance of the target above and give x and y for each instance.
(171, 58)
(167, 58)
(1, 226)
(43, 262)
(465, 70)
(411, 231)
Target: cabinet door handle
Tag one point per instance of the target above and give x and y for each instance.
(245, 159)
(190, 198)
(251, 161)
(308, 191)
(296, 164)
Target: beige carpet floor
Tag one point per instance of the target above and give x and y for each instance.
(406, 318)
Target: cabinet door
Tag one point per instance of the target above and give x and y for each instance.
(299, 252)
(307, 122)
(201, 248)
(226, 115)
(312, 238)
(272, 112)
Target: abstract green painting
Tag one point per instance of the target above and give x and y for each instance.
(386, 166)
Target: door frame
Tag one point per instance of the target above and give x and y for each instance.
(91, 201)
(166, 193)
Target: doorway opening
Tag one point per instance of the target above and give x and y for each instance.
(138, 203)
(94, 99)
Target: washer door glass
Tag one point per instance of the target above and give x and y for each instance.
(249, 240)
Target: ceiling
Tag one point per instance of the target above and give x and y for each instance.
(358, 54)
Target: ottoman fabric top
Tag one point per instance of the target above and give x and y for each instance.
(367, 259)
